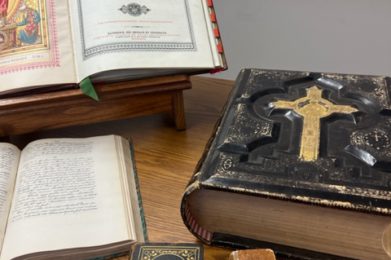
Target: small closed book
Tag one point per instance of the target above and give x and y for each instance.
(69, 198)
(252, 254)
(167, 251)
(300, 163)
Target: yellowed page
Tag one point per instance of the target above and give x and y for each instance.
(9, 158)
(35, 44)
(68, 194)
(153, 34)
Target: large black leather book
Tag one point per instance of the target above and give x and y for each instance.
(301, 163)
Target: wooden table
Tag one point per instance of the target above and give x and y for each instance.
(165, 157)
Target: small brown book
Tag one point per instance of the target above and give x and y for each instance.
(165, 251)
(253, 254)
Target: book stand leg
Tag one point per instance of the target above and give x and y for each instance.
(30, 113)
(178, 110)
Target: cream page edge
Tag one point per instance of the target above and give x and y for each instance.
(9, 166)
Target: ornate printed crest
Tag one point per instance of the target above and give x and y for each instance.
(134, 9)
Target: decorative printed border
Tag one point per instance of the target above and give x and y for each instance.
(54, 53)
(181, 252)
(136, 46)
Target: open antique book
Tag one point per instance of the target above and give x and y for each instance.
(69, 198)
(49, 42)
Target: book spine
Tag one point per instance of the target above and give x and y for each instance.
(140, 201)
(217, 36)
(196, 182)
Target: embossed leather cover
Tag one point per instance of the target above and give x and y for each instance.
(257, 146)
(166, 251)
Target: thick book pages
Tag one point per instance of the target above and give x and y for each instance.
(69, 199)
(50, 42)
(300, 163)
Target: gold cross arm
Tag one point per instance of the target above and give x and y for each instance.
(342, 109)
(282, 104)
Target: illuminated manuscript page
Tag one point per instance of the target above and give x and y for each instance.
(35, 44)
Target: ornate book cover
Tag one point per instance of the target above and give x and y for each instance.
(165, 251)
(317, 139)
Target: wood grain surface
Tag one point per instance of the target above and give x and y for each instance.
(33, 112)
(165, 157)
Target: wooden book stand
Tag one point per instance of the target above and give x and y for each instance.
(70, 107)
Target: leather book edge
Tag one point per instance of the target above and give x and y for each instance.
(196, 181)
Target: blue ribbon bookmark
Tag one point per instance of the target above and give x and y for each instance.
(88, 89)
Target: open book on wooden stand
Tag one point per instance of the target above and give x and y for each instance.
(54, 45)
(49, 43)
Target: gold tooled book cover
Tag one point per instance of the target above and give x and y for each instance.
(298, 156)
(166, 251)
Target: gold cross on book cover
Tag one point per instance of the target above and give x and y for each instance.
(307, 157)
(312, 108)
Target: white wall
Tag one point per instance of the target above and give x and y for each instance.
(346, 36)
